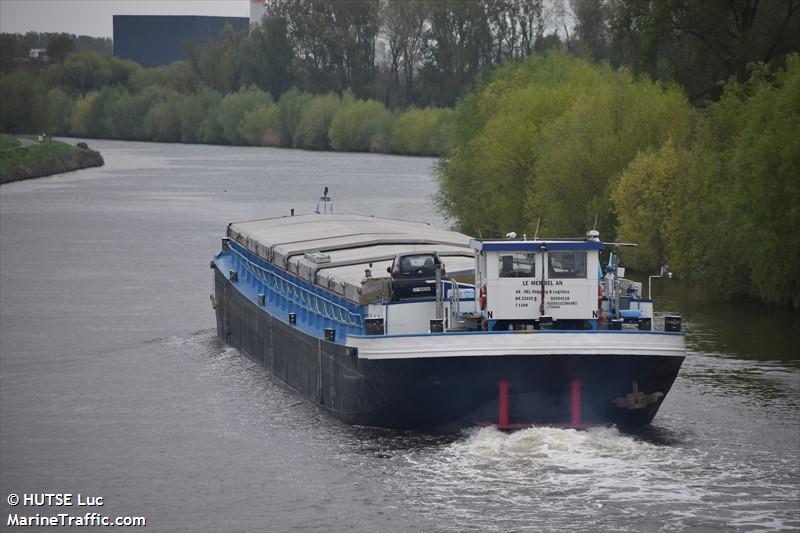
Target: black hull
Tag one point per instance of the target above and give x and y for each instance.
(448, 393)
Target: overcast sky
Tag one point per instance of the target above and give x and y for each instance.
(93, 17)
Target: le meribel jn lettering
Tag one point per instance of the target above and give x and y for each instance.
(527, 282)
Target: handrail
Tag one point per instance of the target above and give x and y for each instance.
(308, 299)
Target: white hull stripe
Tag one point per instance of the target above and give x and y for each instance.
(417, 347)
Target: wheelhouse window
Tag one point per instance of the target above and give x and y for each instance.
(571, 264)
(518, 265)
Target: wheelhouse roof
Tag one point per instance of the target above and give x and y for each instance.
(513, 245)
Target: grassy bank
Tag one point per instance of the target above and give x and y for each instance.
(8, 141)
(19, 163)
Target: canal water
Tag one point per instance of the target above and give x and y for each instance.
(113, 384)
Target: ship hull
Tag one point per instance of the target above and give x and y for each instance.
(446, 394)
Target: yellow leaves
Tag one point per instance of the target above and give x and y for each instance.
(642, 198)
(79, 120)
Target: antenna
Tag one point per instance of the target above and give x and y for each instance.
(595, 222)
(536, 235)
(325, 199)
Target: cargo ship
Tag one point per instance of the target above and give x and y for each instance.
(398, 324)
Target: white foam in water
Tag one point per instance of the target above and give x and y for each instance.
(546, 478)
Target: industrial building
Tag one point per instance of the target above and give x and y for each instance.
(154, 40)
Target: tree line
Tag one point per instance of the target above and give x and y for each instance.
(323, 54)
(562, 144)
(668, 120)
(93, 95)
(15, 47)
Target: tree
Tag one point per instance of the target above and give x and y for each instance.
(288, 115)
(162, 122)
(219, 64)
(591, 28)
(58, 108)
(257, 126)
(20, 103)
(362, 126)
(404, 29)
(268, 57)
(643, 199)
(458, 45)
(59, 46)
(233, 108)
(549, 139)
(700, 44)
(79, 120)
(312, 131)
(334, 42)
(195, 110)
(86, 71)
(421, 132)
(8, 52)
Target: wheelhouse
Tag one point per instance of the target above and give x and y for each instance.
(526, 283)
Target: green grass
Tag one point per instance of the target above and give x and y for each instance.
(43, 160)
(8, 141)
(32, 154)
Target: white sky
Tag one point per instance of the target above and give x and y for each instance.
(94, 17)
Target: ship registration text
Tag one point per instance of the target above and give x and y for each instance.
(555, 297)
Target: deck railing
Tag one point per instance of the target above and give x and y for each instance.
(306, 298)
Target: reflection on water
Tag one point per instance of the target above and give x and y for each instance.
(766, 382)
(740, 329)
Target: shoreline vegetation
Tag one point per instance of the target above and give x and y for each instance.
(673, 126)
(37, 160)
(559, 144)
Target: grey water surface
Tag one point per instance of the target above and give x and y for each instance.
(113, 384)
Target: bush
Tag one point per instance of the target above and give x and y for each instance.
(361, 126)
(643, 199)
(256, 127)
(312, 131)
(548, 139)
(101, 121)
(233, 108)
(128, 112)
(179, 76)
(421, 132)
(162, 122)
(58, 108)
(79, 118)
(288, 115)
(86, 71)
(8, 141)
(195, 110)
(19, 103)
(736, 206)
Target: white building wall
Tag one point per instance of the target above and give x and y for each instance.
(257, 10)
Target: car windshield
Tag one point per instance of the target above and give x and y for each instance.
(417, 265)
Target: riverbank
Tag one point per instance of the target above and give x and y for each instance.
(39, 160)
